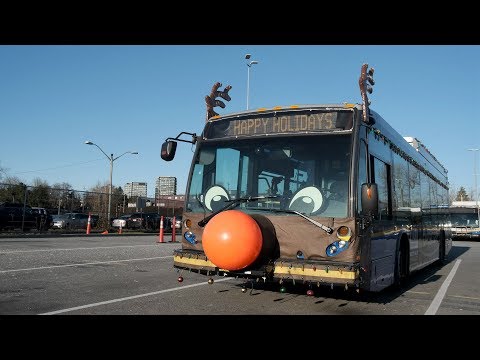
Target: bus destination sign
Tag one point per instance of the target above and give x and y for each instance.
(280, 124)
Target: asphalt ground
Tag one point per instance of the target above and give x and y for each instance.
(134, 275)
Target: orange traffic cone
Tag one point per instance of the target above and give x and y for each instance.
(160, 236)
(105, 232)
(120, 230)
(89, 226)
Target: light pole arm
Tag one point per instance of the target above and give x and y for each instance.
(108, 157)
(111, 159)
(126, 152)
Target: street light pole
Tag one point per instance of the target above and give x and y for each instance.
(110, 190)
(475, 151)
(249, 65)
(111, 159)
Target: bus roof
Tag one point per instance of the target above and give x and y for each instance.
(422, 149)
(414, 148)
(343, 106)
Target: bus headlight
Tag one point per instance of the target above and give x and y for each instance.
(336, 247)
(190, 237)
(344, 234)
(332, 250)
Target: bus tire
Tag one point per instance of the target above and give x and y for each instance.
(402, 262)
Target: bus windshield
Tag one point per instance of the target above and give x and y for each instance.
(308, 174)
(464, 219)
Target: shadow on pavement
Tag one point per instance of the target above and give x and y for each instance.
(426, 275)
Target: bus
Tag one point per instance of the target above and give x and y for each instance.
(318, 195)
(465, 223)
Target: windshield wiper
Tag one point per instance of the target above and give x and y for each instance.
(201, 204)
(232, 204)
(328, 229)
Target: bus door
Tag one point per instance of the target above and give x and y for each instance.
(383, 240)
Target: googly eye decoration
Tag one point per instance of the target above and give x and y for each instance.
(215, 198)
(307, 200)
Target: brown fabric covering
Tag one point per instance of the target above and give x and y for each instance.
(293, 234)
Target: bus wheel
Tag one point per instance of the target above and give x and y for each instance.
(401, 264)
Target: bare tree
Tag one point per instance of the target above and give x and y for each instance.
(96, 198)
(452, 193)
(40, 194)
(12, 190)
(471, 193)
(13, 180)
(59, 194)
(3, 172)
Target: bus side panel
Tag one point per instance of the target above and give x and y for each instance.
(383, 247)
(430, 247)
(413, 237)
(382, 273)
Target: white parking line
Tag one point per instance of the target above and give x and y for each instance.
(464, 297)
(81, 264)
(82, 248)
(129, 298)
(433, 308)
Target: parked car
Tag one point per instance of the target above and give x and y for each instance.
(12, 216)
(44, 219)
(148, 221)
(55, 220)
(94, 220)
(71, 221)
(153, 221)
(178, 223)
(144, 221)
(167, 224)
(122, 221)
(137, 221)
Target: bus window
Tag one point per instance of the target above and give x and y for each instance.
(362, 174)
(401, 188)
(415, 193)
(381, 178)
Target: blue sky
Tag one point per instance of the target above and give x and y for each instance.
(131, 98)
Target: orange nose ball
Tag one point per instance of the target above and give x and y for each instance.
(232, 240)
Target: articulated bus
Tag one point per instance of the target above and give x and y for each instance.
(313, 195)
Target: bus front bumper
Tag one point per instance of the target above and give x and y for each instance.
(321, 272)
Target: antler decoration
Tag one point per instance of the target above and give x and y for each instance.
(366, 76)
(212, 101)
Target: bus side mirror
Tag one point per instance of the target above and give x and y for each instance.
(168, 150)
(369, 198)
